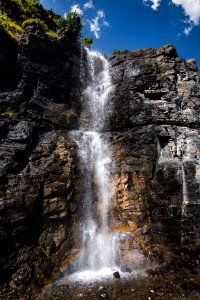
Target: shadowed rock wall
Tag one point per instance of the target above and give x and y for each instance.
(39, 88)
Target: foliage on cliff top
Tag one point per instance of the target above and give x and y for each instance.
(37, 22)
(87, 41)
(120, 52)
(24, 12)
(10, 27)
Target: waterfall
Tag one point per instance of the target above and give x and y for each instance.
(184, 191)
(99, 244)
(97, 91)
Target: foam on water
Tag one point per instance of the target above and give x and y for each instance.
(101, 275)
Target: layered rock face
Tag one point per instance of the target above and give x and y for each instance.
(39, 84)
(155, 144)
(153, 133)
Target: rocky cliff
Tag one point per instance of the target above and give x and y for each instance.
(155, 139)
(39, 90)
(153, 131)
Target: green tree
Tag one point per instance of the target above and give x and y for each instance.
(37, 22)
(116, 51)
(87, 42)
(73, 24)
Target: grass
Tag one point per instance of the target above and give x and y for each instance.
(37, 22)
(53, 34)
(16, 14)
(8, 113)
(9, 26)
(120, 52)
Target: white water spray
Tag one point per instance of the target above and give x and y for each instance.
(98, 242)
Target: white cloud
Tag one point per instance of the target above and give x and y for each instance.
(95, 27)
(76, 8)
(154, 3)
(145, 2)
(191, 9)
(106, 23)
(100, 14)
(187, 30)
(88, 5)
(97, 23)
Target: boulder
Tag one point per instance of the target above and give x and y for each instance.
(116, 275)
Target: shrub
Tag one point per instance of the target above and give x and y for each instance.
(53, 34)
(125, 52)
(54, 21)
(87, 42)
(20, 13)
(28, 7)
(73, 24)
(37, 22)
(116, 52)
(9, 26)
(120, 52)
(8, 113)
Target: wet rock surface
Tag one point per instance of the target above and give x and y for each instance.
(154, 119)
(36, 192)
(37, 158)
(153, 132)
(183, 284)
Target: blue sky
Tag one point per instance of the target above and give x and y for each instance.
(135, 24)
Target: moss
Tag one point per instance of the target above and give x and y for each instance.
(116, 52)
(53, 34)
(9, 26)
(27, 7)
(87, 42)
(8, 113)
(37, 22)
(120, 52)
(12, 36)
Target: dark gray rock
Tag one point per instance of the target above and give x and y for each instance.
(154, 121)
(126, 269)
(116, 275)
(154, 88)
(37, 158)
(8, 61)
(21, 132)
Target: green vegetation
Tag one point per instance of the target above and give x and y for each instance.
(37, 22)
(73, 24)
(115, 52)
(87, 42)
(8, 113)
(53, 34)
(15, 15)
(28, 7)
(9, 26)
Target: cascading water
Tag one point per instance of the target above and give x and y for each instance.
(97, 91)
(98, 243)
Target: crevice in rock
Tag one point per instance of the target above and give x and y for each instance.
(160, 123)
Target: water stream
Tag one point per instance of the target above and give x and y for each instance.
(99, 244)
